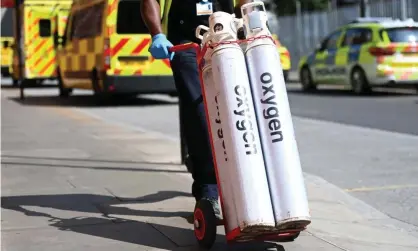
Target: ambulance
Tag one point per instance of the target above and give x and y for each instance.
(6, 40)
(105, 49)
(38, 27)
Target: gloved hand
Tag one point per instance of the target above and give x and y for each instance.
(159, 47)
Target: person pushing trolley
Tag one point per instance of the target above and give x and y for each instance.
(257, 165)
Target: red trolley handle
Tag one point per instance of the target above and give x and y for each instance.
(183, 47)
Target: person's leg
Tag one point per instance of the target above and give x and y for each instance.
(186, 76)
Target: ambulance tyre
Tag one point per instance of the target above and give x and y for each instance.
(97, 91)
(306, 80)
(358, 81)
(205, 224)
(63, 92)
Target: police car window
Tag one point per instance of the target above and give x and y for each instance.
(129, 20)
(44, 28)
(332, 40)
(88, 22)
(357, 37)
(403, 35)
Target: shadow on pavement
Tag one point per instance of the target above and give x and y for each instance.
(89, 101)
(9, 86)
(348, 93)
(92, 203)
(114, 227)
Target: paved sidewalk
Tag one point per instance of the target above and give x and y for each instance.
(73, 182)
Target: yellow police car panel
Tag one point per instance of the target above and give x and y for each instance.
(34, 56)
(366, 53)
(284, 56)
(106, 50)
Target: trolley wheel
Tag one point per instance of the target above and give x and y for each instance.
(204, 224)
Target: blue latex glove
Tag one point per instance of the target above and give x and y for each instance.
(159, 47)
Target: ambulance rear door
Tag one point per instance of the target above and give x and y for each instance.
(40, 24)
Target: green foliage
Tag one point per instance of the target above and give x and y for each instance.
(288, 7)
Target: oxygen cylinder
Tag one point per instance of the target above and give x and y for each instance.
(280, 150)
(247, 174)
(211, 93)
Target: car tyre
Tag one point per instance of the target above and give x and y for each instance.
(306, 80)
(358, 81)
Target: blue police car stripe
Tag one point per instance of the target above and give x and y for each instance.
(330, 60)
(354, 53)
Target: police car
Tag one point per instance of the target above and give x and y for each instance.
(365, 53)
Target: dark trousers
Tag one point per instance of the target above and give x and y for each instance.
(186, 76)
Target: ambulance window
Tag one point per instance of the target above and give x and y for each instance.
(7, 22)
(129, 19)
(88, 22)
(45, 28)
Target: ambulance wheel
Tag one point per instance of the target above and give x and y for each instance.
(98, 93)
(359, 83)
(204, 224)
(306, 80)
(63, 92)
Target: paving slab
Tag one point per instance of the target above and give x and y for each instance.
(67, 188)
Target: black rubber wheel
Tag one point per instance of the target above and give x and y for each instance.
(95, 83)
(100, 96)
(358, 81)
(205, 224)
(306, 80)
(63, 92)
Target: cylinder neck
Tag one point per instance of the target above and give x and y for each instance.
(255, 19)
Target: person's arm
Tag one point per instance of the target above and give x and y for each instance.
(150, 13)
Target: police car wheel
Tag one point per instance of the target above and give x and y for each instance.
(359, 82)
(306, 79)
